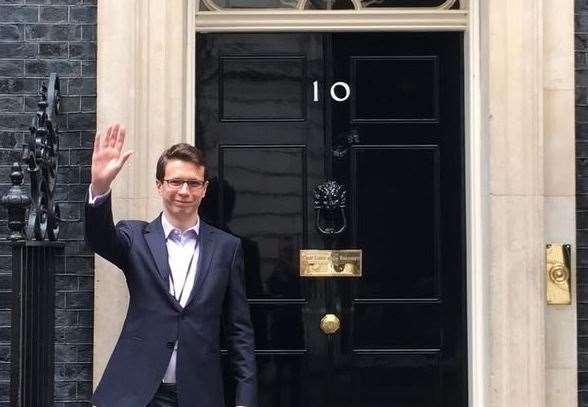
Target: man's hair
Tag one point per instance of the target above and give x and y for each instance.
(183, 152)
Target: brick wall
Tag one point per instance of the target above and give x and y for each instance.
(38, 37)
(581, 52)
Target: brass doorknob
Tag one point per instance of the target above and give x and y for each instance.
(330, 324)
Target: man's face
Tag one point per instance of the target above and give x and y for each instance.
(182, 201)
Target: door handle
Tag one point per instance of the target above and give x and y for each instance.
(330, 324)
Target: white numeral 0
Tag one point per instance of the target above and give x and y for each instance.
(333, 94)
(347, 92)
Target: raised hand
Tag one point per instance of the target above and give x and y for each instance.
(107, 160)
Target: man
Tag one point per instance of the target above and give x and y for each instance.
(184, 278)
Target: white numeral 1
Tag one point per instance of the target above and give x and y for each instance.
(315, 88)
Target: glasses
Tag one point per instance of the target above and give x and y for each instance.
(178, 183)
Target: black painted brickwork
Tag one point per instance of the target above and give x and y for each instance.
(38, 37)
(581, 53)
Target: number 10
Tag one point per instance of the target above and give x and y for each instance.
(334, 96)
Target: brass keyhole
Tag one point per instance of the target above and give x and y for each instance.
(330, 324)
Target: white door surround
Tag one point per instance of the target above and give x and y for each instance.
(519, 86)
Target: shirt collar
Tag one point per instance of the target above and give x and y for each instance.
(168, 227)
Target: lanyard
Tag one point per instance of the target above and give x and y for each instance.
(171, 276)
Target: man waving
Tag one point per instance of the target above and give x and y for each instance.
(185, 279)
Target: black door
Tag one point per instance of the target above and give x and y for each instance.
(382, 115)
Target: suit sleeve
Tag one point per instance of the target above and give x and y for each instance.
(240, 335)
(102, 236)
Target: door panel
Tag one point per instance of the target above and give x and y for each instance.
(262, 88)
(397, 380)
(414, 326)
(268, 189)
(406, 83)
(396, 212)
(396, 145)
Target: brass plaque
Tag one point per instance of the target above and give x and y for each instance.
(330, 263)
(557, 273)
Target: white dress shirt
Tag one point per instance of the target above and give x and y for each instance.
(180, 246)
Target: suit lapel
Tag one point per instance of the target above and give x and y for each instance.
(155, 239)
(207, 245)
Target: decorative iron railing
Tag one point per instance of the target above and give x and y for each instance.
(33, 221)
(38, 215)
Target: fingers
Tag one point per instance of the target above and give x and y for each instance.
(106, 136)
(120, 140)
(125, 157)
(109, 139)
(114, 135)
(96, 143)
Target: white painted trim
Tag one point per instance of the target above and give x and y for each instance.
(476, 212)
(189, 125)
(331, 21)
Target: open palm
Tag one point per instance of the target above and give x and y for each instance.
(107, 159)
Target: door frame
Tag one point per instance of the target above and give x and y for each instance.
(466, 20)
(146, 79)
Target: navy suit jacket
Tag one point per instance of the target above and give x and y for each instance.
(155, 320)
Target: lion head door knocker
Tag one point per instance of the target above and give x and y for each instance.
(329, 206)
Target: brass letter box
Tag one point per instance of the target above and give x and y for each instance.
(330, 263)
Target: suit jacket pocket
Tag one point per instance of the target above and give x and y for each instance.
(132, 337)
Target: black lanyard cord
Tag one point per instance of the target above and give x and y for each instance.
(171, 276)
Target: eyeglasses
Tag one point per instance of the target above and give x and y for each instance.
(178, 183)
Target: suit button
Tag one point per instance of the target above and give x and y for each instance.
(171, 345)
